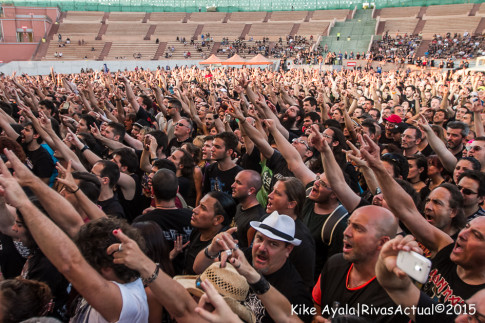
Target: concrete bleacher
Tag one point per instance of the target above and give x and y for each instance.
(180, 48)
(329, 15)
(126, 16)
(218, 31)
(118, 50)
(443, 26)
(247, 16)
(481, 10)
(449, 10)
(161, 17)
(175, 30)
(293, 16)
(77, 31)
(83, 16)
(400, 26)
(207, 17)
(73, 51)
(313, 29)
(399, 13)
(125, 31)
(273, 31)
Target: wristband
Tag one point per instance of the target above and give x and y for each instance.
(73, 192)
(261, 286)
(84, 148)
(206, 253)
(149, 280)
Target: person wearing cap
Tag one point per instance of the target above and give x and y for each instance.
(390, 123)
(272, 245)
(348, 279)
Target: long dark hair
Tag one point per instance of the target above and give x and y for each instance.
(156, 245)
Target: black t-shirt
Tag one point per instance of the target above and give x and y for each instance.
(427, 314)
(277, 163)
(40, 162)
(302, 257)
(112, 207)
(38, 267)
(288, 282)
(193, 249)
(174, 143)
(333, 286)
(251, 161)
(173, 223)
(315, 223)
(218, 180)
(133, 208)
(443, 284)
(11, 262)
(242, 220)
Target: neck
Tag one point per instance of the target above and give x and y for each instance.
(165, 204)
(362, 272)
(457, 149)
(33, 145)
(208, 234)
(410, 151)
(180, 139)
(472, 276)
(106, 193)
(325, 208)
(437, 179)
(471, 209)
(422, 145)
(225, 164)
(249, 202)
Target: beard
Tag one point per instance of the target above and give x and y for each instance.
(287, 121)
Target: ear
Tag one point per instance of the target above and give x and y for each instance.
(218, 219)
(117, 137)
(454, 212)
(289, 248)
(309, 153)
(382, 241)
(292, 204)
(123, 169)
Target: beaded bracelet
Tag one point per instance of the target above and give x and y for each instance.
(149, 280)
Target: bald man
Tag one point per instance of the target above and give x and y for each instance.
(244, 189)
(348, 280)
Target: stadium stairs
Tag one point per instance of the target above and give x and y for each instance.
(360, 29)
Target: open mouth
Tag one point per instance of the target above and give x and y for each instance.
(347, 247)
(429, 217)
(458, 248)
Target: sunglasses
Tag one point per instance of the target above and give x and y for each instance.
(466, 191)
(180, 124)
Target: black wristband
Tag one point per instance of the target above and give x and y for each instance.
(84, 148)
(206, 253)
(147, 281)
(261, 286)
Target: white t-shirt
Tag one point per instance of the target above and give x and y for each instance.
(135, 306)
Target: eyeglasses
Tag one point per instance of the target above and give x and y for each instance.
(466, 191)
(321, 182)
(303, 142)
(327, 136)
(180, 124)
(473, 148)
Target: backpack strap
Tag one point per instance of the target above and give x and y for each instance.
(331, 223)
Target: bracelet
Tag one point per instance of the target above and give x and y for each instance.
(206, 253)
(261, 286)
(84, 148)
(73, 192)
(149, 280)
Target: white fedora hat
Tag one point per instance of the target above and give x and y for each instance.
(278, 227)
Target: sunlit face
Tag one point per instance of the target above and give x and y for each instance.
(437, 209)
(269, 255)
(203, 216)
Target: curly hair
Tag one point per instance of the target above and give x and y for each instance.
(10, 144)
(23, 299)
(94, 238)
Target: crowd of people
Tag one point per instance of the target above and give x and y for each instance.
(288, 194)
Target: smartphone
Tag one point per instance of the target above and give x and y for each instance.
(415, 265)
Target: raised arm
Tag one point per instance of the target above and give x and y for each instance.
(333, 172)
(61, 250)
(446, 157)
(401, 204)
(291, 155)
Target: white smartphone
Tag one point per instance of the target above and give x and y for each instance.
(415, 265)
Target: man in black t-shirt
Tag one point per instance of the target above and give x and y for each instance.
(458, 268)
(38, 159)
(245, 187)
(220, 175)
(348, 279)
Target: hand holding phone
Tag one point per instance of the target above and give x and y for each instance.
(414, 265)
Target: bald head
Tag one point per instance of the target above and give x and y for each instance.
(382, 219)
(253, 179)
